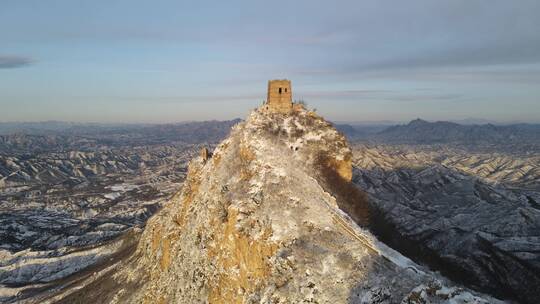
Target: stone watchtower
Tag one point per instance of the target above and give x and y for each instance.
(279, 96)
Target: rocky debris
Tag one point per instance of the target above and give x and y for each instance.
(260, 222)
(472, 216)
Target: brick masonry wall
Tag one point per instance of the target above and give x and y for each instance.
(279, 101)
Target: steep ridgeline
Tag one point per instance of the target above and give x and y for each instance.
(261, 221)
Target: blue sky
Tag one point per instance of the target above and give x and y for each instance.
(170, 61)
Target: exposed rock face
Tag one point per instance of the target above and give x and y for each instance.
(204, 154)
(260, 222)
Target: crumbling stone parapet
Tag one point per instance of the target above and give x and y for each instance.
(205, 154)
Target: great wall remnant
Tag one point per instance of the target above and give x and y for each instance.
(279, 98)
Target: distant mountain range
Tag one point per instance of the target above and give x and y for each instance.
(420, 131)
(74, 128)
(57, 135)
(48, 137)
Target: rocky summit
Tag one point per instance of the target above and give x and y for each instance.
(270, 216)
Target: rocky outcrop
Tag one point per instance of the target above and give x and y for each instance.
(205, 154)
(260, 222)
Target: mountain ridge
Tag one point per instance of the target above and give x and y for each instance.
(262, 221)
(422, 131)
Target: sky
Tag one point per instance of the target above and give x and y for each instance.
(164, 61)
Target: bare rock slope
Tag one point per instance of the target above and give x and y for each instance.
(261, 221)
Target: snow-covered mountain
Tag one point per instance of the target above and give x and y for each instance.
(473, 216)
(260, 221)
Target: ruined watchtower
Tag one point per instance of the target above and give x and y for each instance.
(279, 96)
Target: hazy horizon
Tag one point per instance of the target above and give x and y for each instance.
(466, 121)
(171, 62)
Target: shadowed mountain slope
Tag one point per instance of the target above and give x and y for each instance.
(472, 216)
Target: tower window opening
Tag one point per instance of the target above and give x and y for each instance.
(279, 90)
(285, 90)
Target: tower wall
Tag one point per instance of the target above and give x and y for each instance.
(279, 96)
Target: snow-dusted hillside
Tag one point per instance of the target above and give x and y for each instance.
(474, 216)
(260, 222)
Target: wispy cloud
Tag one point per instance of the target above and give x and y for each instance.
(13, 62)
